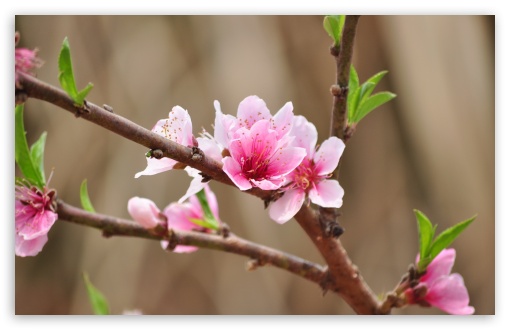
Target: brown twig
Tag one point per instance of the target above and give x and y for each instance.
(112, 226)
(342, 277)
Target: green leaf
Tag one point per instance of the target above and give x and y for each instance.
(443, 240)
(374, 80)
(66, 75)
(334, 24)
(84, 197)
(97, 300)
(371, 103)
(209, 217)
(425, 232)
(203, 223)
(37, 155)
(353, 89)
(22, 154)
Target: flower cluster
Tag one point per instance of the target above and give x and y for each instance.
(26, 60)
(34, 216)
(178, 216)
(259, 150)
(438, 288)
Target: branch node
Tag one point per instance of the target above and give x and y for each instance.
(156, 153)
(108, 108)
(172, 240)
(205, 177)
(81, 110)
(225, 230)
(197, 155)
(334, 50)
(253, 264)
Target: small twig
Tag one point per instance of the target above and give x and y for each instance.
(112, 226)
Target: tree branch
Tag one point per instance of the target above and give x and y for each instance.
(342, 277)
(343, 56)
(263, 255)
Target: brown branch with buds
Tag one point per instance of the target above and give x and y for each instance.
(341, 276)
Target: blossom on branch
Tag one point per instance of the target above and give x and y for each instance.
(34, 216)
(180, 216)
(178, 128)
(25, 59)
(310, 178)
(437, 287)
(257, 145)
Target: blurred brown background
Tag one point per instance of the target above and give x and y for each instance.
(432, 148)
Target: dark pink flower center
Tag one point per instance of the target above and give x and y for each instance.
(304, 177)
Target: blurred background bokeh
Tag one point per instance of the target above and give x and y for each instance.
(432, 148)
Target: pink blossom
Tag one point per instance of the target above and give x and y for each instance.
(178, 215)
(178, 128)
(258, 143)
(26, 60)
(310, 178)
(145, 212)
(441, 289)
(34, 216)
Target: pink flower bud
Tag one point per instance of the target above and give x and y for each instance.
(145, 212)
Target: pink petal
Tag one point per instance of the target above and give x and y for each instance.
(196, 184)
(177, 127)
(178, 216)
(450, 294)
(440, 266)
(286, 207)
(251, 110)
(29, 248)
(213, 202)
(210, 148)
(155, 166)
(234, 172)
(39, 225)
(327, 193)
(268, 184)
(144, 211)
(285, 161)
(179, 248)
(223, 126)
(282, 121)
(327, 157)
(305, 135)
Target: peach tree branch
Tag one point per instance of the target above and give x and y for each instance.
(261, 255)
(342, 276)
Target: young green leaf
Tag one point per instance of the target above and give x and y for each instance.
(353, 94)
(209, 217)
(371, 103)
(97, 300)
(84, 197)
(37, 155)
(443, 240)
(425, 232)
(374, 80)
(22, 154)
(204, 223)
(66, 75)
(333, 24)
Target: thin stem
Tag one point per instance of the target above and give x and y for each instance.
(263, 255)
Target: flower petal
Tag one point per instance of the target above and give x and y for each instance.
(282, 121)
(196, 184)
(450, 294)
(39, 225)
(234, 172)
(440, 266)
(268, 184)
(251, 110)
(144, 211)
(327, 193)
(305, 135)
(285, 160)
(210, 148)
(29, 248)
(327, 157)
(286, 207)
(223, 126)
(155, 166)
(177, 127)
(179, 248)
